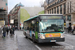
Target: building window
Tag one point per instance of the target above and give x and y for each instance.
(69, 17)
(50, 1)
(57, 9)
(60, 9)
(70, 6)
(58, 1)
(65, 8)
(48, 11)
(64, 19)
(61, 0)
(52, 10)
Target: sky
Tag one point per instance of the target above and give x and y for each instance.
(26, 3)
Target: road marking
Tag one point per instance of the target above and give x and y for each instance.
(31, 41)
(35, 45)
(38, 47)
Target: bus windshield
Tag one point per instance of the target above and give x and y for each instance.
(54, 25)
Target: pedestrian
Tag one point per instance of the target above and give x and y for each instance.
(13, 29)
(69, 28)
(4, 31)
(20, 28)
(72, 28)
(7, 31)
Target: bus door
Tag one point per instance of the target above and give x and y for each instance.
(36, 30)
(30, 32)
(27, 31)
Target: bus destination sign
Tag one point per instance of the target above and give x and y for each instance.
(51, 17)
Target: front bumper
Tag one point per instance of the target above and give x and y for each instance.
(49, 40)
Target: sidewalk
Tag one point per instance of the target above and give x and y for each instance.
(8, 43)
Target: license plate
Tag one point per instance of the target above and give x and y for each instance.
(52, 40)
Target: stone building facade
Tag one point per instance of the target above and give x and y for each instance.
(3, 11)
(65, 7)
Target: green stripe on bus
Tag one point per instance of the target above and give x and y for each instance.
(36, 35)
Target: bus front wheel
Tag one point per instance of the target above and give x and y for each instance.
(33, 38)
(25, 35)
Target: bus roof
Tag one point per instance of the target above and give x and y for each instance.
(39, 15)
(31, 18)
(50, 14)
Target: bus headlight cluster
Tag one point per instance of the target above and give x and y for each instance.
(62, 35)
(42, 36)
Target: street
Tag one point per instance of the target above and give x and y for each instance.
(27, 44)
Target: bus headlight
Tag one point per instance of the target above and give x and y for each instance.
(42, 36)
(62, 35)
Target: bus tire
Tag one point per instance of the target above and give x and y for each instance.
(53, 42)
(25, 35)
(33, 38)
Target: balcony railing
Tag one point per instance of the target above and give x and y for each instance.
(55, 3)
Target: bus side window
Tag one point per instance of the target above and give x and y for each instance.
(27, 28)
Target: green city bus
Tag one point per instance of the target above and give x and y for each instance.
(45, 28)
